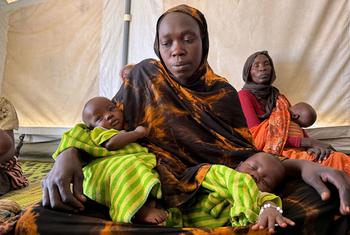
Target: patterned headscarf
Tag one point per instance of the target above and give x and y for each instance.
(264, 92)
(202, 23)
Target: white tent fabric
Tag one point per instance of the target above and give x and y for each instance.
(3, 42)
(52, 61)
(111, 47)
(60, 53)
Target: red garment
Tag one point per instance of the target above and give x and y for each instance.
(252, 109)
(271, 136)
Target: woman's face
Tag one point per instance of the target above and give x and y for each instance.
(180, 45)
(261, 70)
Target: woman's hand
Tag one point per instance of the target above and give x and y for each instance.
(56, 186)
(317, 175)
(270, 217)
(321, 150)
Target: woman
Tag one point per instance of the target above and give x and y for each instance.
(11, 174)
(191, 123)
(269, 118)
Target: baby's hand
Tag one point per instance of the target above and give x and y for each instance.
(271, 216)
(143, 131)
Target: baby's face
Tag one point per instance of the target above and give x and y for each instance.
(302, 114)
(101, 112)
(267, 171)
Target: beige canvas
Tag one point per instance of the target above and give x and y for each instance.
(52, 60)
(308, 40)
(60, 53)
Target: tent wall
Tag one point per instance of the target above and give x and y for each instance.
(60, 53)
(111, 47)
(3, 43)
(142, 30)
(52, 62)
(308, 40)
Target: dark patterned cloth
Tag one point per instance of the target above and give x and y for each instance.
(9, 214)
(39, 220)
(190, 126)
(12, 176)
(192, 122)
(300, 203)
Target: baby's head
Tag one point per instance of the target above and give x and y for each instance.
(266, 170)
(125, 71)
(101, 112)
(303, 114)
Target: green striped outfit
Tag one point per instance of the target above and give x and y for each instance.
(227, 198)
(122, 179)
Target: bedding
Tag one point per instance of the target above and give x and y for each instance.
(34, 171)
(12, 203)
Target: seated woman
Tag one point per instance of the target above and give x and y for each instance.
(195, 119)
(271, 123)
(11, 175)
(121, 168)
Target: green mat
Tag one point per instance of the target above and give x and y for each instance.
(34, 171)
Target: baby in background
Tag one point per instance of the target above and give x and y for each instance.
(303, 114)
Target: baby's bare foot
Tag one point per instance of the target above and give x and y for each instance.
(150, 215)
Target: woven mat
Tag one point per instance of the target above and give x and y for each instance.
(34, 171)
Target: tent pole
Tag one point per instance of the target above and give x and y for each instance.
(127, 19)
